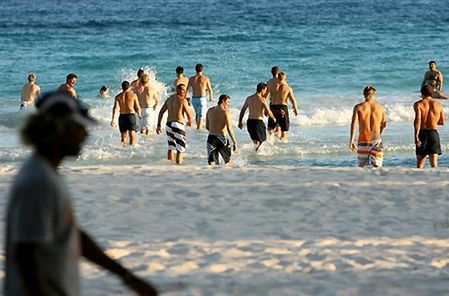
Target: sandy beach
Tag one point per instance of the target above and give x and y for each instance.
(198, 230)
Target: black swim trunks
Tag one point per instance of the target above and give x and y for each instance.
(218, 144)
(430, 143)
(127, 122)
(280, 112)
(257, 130)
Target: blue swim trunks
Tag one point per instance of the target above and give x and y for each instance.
(199, 105)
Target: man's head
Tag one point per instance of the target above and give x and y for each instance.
(282, 76)
(261, 88)
(125, 85)
(432, 65)
(369, 92)
(179, 70)
(199, 68)
(71, 79)
(139, 73)
(426, 91)
(275, 71)
(143, 78)
(181, 90)
(31, 77)
(224, 101)
(58, 126)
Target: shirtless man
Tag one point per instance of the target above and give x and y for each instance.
(127, 104)
(135, 83)
(176, 105)
(67, 87)
(30, 92)
(200, 84)
(428, 115)
(280, 94)
(181, 79)
(148, 100)
(257, 105)
(272, 82)
(219, 123)
(434, 78)
(371, 118)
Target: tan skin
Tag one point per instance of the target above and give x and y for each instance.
(428, 115)
(177, 107)
(371, 118)
(219, 121)
(69, 87)
(126, 102)
(258, 107)
(200, 84)
(30, 92)
(435, 79)
(147, 97)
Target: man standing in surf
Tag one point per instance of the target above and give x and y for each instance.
(68, 86)
(434, 78)
(428, 115)
(176, 105)
(148, 100)
(279, 96)
(371, 118)
(257, 105)
(200, 84)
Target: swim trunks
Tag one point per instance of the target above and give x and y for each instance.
(218, 144)
(199, 105)
(127, 122)
(430, 143)
(176, 135)
(147, 119)
(257, 130)
(370, 151)
(280, 112)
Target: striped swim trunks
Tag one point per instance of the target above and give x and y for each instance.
(370, 150)
(176, 135)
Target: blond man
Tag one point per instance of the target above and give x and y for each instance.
(177, 107)
(371, 118)
(200, 85)
(148, 100)
(219, 124)
(30, 92)
(127, 104)
(428, 115)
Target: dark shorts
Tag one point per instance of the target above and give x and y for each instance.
(218, 144)
(280, 112)
(430, 143)
(127, 122)
(257, 130)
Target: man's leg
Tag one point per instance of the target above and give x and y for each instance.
(132, 138)
(123, 137)
(420, 161)
(198, 122)
(179, 157)
(284, 137)
(171, 155)
(433, 160)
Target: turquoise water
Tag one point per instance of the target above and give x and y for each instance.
(330, 51)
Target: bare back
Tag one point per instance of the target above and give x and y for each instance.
(67, 89)
(271, 86)
(177, 107)
(217, 121)
(429, 113)
(30, 92)
(371, 118)
(181, 80)
(127, 102)
(257, 106)
(281, 93)
(200, 84)
(147, 97)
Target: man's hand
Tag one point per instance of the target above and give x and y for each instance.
(158, 129)
(138, 285)
(295, 111)
(112, 123)
(240, 125)
(189, 123)
(418, 143)
(352, 146)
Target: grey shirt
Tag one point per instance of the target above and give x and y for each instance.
(40, 212)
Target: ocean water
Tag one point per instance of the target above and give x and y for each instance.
(330, 51)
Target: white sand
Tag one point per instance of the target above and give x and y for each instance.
(265, 230)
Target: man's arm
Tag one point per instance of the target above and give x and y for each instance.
(187, 112)
(114, 110)
(383, 122)
(352, 145)
(242, 113)
(230, 129)
(156, 100)
(268, 111)
(442, 119)
(292, 98)
(159, 119)
(92, 252)
(209, 88)
(417, 123)
(441, 79)
(207, 119)
(137, 106)
(32, 280)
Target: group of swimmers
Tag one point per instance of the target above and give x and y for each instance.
(270, 100)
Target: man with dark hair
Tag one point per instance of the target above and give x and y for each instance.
(200, 84)
(371, 118)
(219, 123)
(127, 104)
(136, 82)
(68, 86)
(271, 84)
(257, 105)
(434, 78)
(176, 105)
(181, 79)
(428, 115)
(43, 241)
